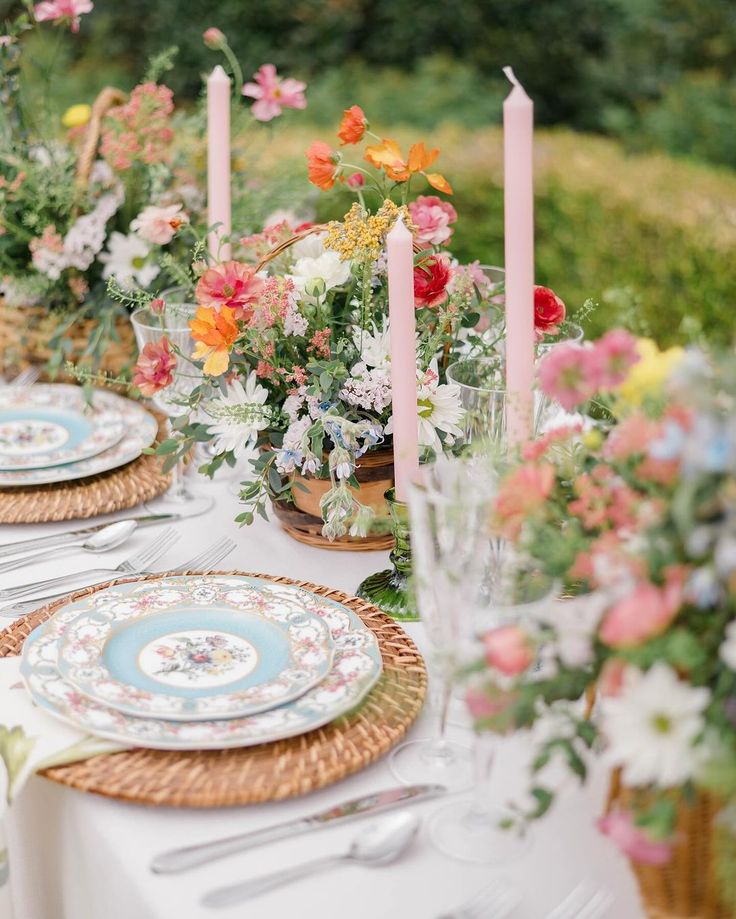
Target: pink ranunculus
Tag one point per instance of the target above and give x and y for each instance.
(55, 10)
(214, 38)
(634, 841)
(432, 217)
(232, 284)
(616, 353)
(158, 225)
(154, 369)
(644, 613)
(549, 311)
(273, 94)
(508, 650)
(567, 374)
(356, 180)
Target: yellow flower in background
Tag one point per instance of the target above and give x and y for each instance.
(647, 377)
(76, 115)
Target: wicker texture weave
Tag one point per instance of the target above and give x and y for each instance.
(268, 772)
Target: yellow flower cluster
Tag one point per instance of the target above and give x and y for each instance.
(360, 235)
(647, 377)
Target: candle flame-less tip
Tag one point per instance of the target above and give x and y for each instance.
(511, 76)
(219, 73)
(399, 228)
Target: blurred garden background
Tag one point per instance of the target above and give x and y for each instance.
(635, 103)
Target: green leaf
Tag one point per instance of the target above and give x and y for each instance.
(544, 800)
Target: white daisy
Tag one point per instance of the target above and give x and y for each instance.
(126, 260)
(652, 725)
(239, 416)
(374, 344)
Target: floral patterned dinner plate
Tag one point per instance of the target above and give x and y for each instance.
(196, 649)
(355, 669)
(140, 429)
(50, 425)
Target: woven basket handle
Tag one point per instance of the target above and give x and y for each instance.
(107, 99)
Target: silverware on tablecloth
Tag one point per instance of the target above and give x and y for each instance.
(586, 901)
(26, 377)
(204, 561)
(138, 563)
(109, 537)
(177, 860)
(62, 539)
(377, 845)
(494, 901)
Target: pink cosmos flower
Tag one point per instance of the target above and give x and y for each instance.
(55, 10)
(508, 650)
(158, 225)
(644, 613)
(568, 374)
(154, 369)
(232, 284)
(432, 217)
(273, 94)
(634, 841)
(616, 353)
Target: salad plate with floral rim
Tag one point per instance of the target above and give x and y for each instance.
(53, 424)
(355, 669)
(195, 649)
(139, 431)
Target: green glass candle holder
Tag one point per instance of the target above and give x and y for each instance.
(390, 590)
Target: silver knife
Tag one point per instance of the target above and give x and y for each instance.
(192, 856)
(59, 539)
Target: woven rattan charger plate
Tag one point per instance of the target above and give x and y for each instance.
(104, 493)
(268, 772)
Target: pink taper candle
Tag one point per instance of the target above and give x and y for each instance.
(518, 130)
(218, 161)
(403, 356)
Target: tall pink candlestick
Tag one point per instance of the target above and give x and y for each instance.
(403, 356)
(218, 162)
(518, 131)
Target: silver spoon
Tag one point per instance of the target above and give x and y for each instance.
(107, 538)
(379, 844)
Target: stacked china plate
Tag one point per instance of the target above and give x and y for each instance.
(52, 433)
(193, 662)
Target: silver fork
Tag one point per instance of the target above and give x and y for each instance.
(138, 563)
(205, 561)
(26, 377)
(586, 901)
(494, 901)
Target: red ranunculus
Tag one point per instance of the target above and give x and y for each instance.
(431, 277)
(549, 311)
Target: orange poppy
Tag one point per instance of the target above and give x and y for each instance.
(353, 125)
(322, 165)
(215, 332)
(388, 156)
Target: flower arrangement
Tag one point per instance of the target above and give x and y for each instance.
(635, 513)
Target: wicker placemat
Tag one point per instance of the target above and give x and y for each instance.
(116, 490)
(268, 772)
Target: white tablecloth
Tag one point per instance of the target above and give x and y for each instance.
(77, 856)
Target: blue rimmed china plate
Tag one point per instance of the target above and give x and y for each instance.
(195, 649)
(52, 424)
(355, 669)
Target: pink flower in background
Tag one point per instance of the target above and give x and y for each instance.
(157, 305)
(521, 494)
(154, 369)
(140, 130)
(273, 94)
(508, 649)
(158, 225)
(356, 180)
(616, 354)
(6, 40)
(634, 841)
(54, 10)
(213, 38)
(631, 437)
(646, 612)
(231, 284)
(432, 217)
(568, 374)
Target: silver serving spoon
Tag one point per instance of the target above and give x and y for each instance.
(380, 844)
(108, 538)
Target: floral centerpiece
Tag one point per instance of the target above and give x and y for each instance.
(636, 513)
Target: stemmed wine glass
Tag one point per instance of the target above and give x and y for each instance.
(173, 323)
(449, 510)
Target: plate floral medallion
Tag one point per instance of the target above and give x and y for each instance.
(50, 425)
(195, 648)
(355, 669)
